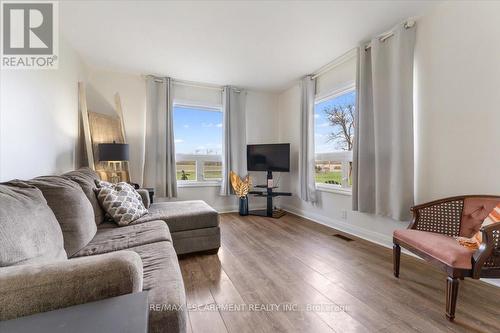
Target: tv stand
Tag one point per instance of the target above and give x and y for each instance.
(269, 194)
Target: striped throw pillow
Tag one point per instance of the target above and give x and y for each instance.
(476, 240)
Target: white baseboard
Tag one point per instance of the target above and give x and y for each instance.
(363, 233)
(494, 282)
(226, 209)
(368, 235)
(234, 209)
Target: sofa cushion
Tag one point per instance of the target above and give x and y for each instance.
(196, 240)
(71, 208)
(183, 215)
(29, 232)
(144, 193)
(441, 247)
(86, 178)
(163, 280)
(110, 238)
(31, 289)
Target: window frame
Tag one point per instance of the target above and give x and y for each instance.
(333, 188)
(199, 167)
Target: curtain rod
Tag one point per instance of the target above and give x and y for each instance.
(191, 83)
(184, 82)
(202, 85)
(338, 61)
(386, 35)
(154, 77)
(197, 85)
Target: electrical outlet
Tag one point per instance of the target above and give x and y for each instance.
(343, 214)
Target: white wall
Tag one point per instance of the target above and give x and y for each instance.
(457, 107)
(330, 206)
(39, 118)
(342, 75)
(197, 95)
(458, 100)
(261, 127)
(262, 117)
(101, 88)
(262, 123)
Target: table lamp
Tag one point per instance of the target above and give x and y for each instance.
(113, 153)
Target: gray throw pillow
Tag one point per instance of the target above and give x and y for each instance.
(29, 232)
(71, 208)
(121, 201)
(86, 178)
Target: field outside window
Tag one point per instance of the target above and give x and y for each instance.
(333, 136)
(198, 143)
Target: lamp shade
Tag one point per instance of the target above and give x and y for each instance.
(113, 152)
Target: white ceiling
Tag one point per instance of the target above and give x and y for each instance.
(262, 45)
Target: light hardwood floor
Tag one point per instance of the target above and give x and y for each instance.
(294, 261)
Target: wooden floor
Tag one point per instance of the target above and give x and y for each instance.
(288, 263)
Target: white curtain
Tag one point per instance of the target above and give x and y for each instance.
(383, 170)
(234, 138)
(306, 153)
(159, 157)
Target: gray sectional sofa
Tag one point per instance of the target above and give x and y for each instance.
(58, 250)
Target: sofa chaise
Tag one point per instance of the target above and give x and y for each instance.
(58, 250)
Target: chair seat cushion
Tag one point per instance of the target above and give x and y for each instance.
(182, 215)
(444, 248)
(110, 238)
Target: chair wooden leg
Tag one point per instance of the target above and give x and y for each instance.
(451, 297)
(396, 258)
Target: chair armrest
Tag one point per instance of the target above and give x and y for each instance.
(487, 248)
(29, 289)
(145, 197)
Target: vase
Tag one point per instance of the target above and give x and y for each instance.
(243, 206)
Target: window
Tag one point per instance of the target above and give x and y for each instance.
(198, 144)
(333, 135)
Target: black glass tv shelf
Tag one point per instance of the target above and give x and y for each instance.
(269, 194)
(264, 186)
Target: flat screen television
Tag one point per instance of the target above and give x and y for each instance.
(269, 157)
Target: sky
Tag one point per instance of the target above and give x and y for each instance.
(200, 131)
(321, 126)
(197, 131)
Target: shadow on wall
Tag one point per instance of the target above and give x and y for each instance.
(97, 103)
(137, 156)
(65, 158)
(80, 152)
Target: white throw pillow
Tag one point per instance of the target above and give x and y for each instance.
(121, 201)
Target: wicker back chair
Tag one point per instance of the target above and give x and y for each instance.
(431, 236)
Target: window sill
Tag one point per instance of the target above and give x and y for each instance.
(333, 189)
(199, 184)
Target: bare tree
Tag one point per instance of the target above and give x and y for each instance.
(341, 118)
